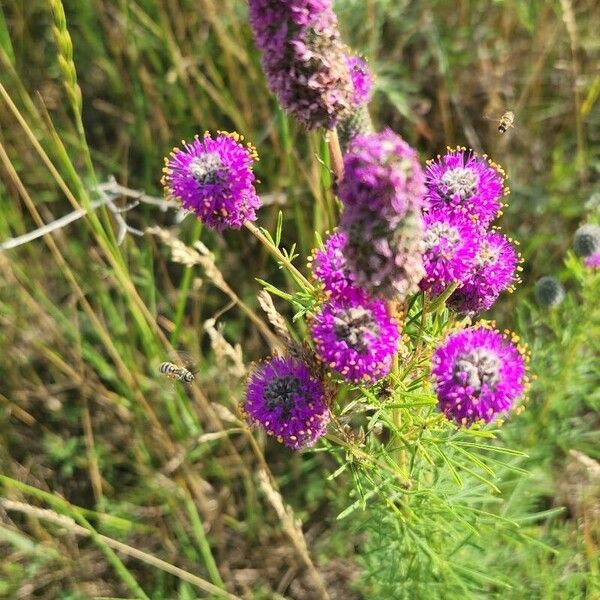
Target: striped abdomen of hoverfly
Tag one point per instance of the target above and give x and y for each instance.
(172, 371)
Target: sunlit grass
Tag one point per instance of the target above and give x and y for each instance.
(86, 421)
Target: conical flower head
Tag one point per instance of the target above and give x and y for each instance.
(384, 256)
(494, 271)
(213, 178)
(479, 373)
(303, 59)
(463, 182)
(355, 336)
(382, 174)
(283, 397)
(383, 191)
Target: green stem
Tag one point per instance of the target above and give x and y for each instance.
(205, 551)
(438, 303)
(278, 255)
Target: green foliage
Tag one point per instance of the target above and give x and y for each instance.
(90, 431)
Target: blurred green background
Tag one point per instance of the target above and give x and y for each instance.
(84, 323)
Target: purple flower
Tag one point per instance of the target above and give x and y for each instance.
(287, 401)
(463, 182)
(382, 174)
(383, 192)
(362, 80)
(356, 336)
(303, 58)
(452, 243)
(329, 264)
(494, 271)
(213, 178)
(593, 261)
(478, 373)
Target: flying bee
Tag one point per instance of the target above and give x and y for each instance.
(179, 372)
(505, 122)
(172, 371)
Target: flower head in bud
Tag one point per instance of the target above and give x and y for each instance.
(549, 292)
(213, 177)
(356, 336)
(329, 264)
(303, 58)
(586, 240)
(287, 401)
(479, 373)
(463, 182)
(362, 80)
(383, 192)
(494, 270)
(452, 243)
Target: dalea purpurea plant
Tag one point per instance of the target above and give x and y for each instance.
(388, 367)
(392, 297)
(349, 421)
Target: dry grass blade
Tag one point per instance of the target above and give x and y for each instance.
(294, 531)
(71, 526)
(202, 256)
(275, 318)
(224, 350)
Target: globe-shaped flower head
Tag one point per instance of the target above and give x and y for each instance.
(494, 271)
(479, 373)
(362, 80)
(287, 401)
(356, 336)
(303, 58)
(549, 292)
(213, 178)
(586, 241)
(383, 192)
(329, 264)
(463, 182)
(452, 243)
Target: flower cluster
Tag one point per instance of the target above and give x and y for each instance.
(355, 336)
(383, 191)
(402, 230)
(304, 59)
(213, 178)
(464, 196)
(479, 373)
(283, 396)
